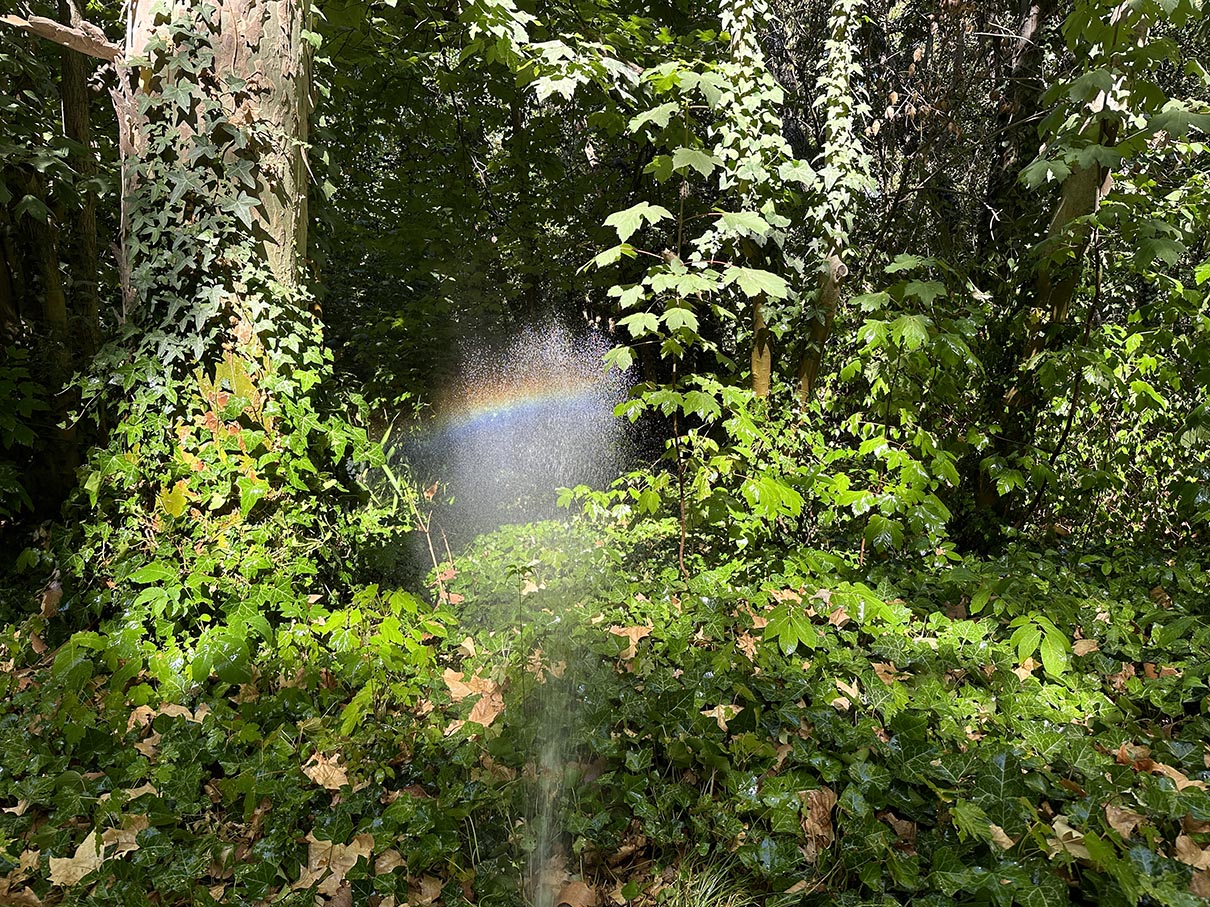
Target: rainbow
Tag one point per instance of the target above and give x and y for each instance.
(478, 407)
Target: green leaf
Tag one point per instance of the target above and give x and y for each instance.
(157, 572)
(678, 317)
(250, 492)
(641, 323)
(660, 116)
(755, 282)
(699, 160)
(1055, 653)
(745, 222)
(628, 221)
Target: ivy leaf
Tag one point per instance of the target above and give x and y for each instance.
(798, 172)
(156, 572)
(250, 492)
(699, 160)
(754, 282)
(628, 221)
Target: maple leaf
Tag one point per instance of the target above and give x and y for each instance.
(634, 634)
(327, 773)
(463, 685)
(67, 871)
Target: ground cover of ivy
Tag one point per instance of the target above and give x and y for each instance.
(1025, 729)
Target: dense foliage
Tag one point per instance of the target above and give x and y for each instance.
(902, 598)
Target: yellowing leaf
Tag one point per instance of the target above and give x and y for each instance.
(722, 714)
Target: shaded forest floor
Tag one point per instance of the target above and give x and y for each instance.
(574, 722)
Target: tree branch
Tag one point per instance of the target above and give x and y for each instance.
(87, 39)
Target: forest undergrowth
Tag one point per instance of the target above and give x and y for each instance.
(820, 730)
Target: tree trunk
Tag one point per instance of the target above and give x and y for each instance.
(80, 247)
(261, 43)
(821, 327)
(762, 350)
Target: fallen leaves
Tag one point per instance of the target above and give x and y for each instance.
(633, 635)
(95, 849)
(327, 772)
(328, 863)
(1123, 821)
(1191, 853)
(1067, 840)
(491, 698)
(817, 824)
(576, 894)
(1139, 758)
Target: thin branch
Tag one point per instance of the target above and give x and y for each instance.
(87, 39)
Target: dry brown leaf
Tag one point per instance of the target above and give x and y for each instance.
(1085, 646)
(122, 840)
(1001, 838)
(18, 810)
(576, 894)
(327, 773)
(529, 587)
(387, 861)
(463, 685)
(887, 672)
(785, 595)
(1190, 853)
(149, 746)
(634, 634)
(331, 862)
(342, 897)
(747, 645)
(839, 617)
(722, 714)
(1192, 826)
(1123, 821)
(52, 595)
(467, 648)
(488, 708)
(818, 822)
(1067, 839)
(88, 857)
(1026, 669)
(841, 704)
(1200, 884)
(1161, 597)
(134, 793)
(1118, 680)
(425, 891)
